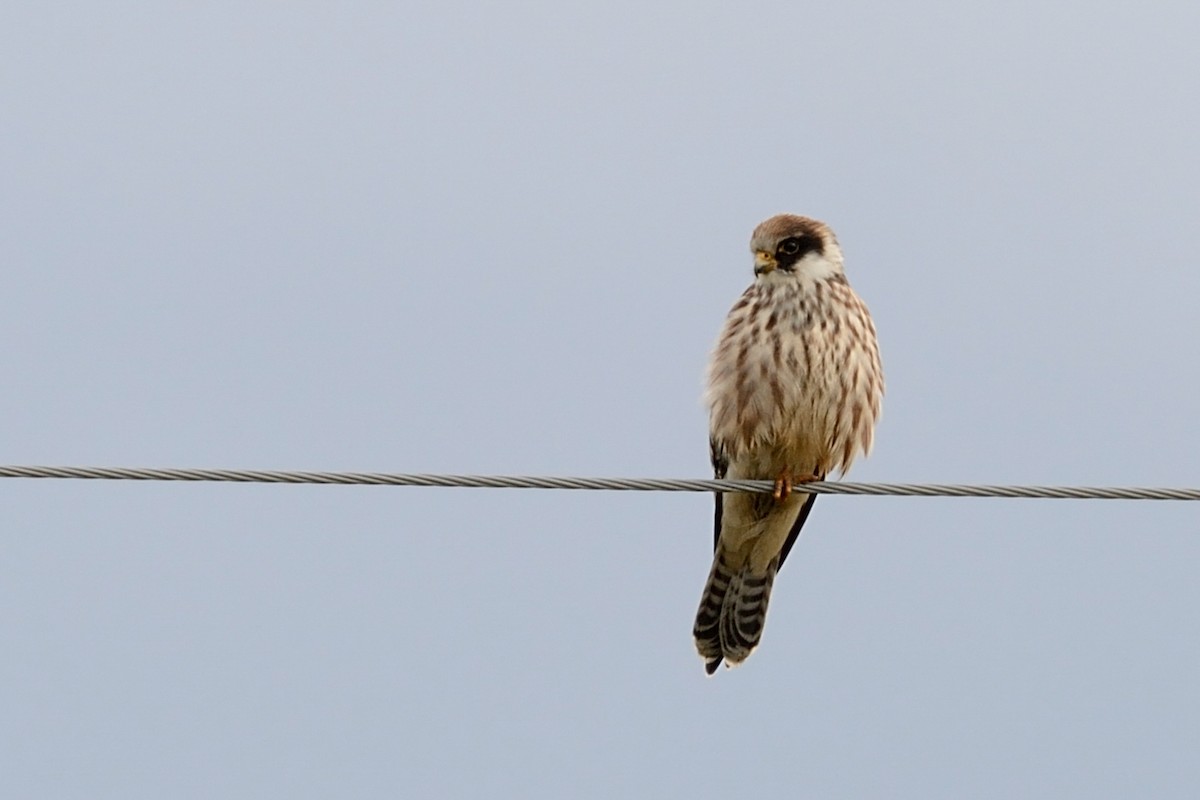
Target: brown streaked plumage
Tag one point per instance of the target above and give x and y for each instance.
(794, 389)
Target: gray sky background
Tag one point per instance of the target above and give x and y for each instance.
(501, 237)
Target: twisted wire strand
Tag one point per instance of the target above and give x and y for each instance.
(617, 484)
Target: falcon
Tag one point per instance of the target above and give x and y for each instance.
(794, 389)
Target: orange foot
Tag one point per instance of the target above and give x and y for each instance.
(785, 483)
(783, 486)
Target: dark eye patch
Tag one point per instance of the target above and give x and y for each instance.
(794, 248)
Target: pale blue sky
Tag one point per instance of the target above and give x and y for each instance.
(501, 237)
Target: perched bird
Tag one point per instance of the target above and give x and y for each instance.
(794, 389)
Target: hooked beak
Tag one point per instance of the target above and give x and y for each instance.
(764, 262)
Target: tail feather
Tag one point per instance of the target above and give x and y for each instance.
(745, 612)
(708, 619)
(733, 612)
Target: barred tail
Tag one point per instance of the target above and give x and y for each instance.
(708, 619)
(732, 613)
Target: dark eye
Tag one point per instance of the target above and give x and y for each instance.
(789, 247)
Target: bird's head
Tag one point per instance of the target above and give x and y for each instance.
(789, 246)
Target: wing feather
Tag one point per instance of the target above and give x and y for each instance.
(720, 464)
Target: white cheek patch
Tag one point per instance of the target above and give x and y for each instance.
(813, 268)
(818, 267)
